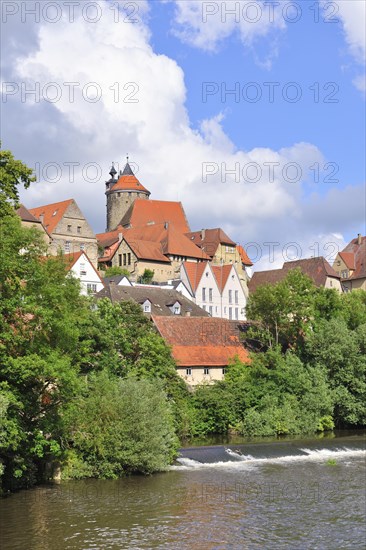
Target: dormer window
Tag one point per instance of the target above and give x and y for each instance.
(146, 306)
(175, 308)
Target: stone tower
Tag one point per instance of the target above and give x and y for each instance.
(121, 194)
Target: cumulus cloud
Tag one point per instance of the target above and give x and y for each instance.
(127, 98)
(206, 25)
(352, 14)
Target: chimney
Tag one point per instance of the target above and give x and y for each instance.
(203, 234)
(166, 225)
(188, 313)
(120, 237)
(41, 218)
(359, 238)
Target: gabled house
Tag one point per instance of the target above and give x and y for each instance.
(318, 269)
(158, 247)
(223, 250)
(350, 264)
(68, 228)
(29, 221)
(153, 300)
(79, 265)
(217, 289)
(202, 347)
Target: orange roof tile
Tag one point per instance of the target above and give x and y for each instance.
(129, 183)
(349, 259)
(221, 273)
(244, 256)
(210, 239)
(194, 356)
(194, 272)
(146, 250)
(52, 213)
(201, 341)
(144, 212)
(358, 251)
(170, 240)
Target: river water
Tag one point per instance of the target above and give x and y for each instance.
(299, 494)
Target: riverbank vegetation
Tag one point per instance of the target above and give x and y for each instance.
(90, 389)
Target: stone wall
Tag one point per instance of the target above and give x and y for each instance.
(118, 202)
(73, 233)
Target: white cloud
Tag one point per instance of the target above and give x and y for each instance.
(352, 14)
(205, 25)
(172, 156)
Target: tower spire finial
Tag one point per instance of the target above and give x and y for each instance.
(127, 157)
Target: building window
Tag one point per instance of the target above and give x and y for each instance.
(230, 296)
(210, 310)
(224, 371)
(230, 312)
(118, 194)
(236, 296)
(206, 371)
(236, 313)
(344, 274)
(204, 308)
(330, 283)
(91, 287)
(82, 246)
(120, 260)
(210, 294)
(69, 228)
(129, 258)
(124, 259)
(203, 294)
(176, 310)
(67, 246)
(82, 269)
(79, 229)
(189, 372)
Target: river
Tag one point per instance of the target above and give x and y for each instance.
(293, 494)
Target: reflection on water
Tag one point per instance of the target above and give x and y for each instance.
(290, 501)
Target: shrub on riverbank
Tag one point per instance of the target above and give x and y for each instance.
(120, 427)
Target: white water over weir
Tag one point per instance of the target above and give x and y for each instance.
(248, 456)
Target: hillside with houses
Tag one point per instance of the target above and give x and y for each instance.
(118, 346)
(170, 270)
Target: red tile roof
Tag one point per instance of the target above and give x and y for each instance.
(169, 240)
(349, 259)
(144, 212)
(52, 213)
(129, 183)
(358, 251)
(221, 273)
(194, 272)
(244, 256)
(318, 269)
(201, 341)
(25, 215)
(210, 239)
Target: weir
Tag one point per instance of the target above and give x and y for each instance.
(311, 449)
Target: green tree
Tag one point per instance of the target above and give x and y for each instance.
(115, 270)
(120, 427)
(284, 311)
(342, 352)
(147, 276)
(12, 174)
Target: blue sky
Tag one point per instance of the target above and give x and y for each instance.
(175, 136)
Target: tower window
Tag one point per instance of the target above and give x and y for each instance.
(129, 258)
(124, 259)
(69, 228)
(120, 260)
